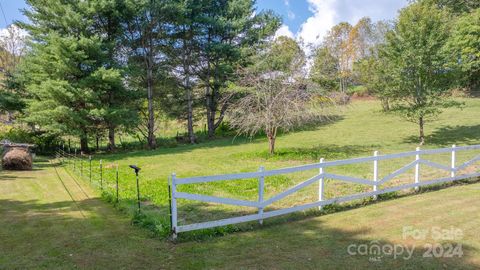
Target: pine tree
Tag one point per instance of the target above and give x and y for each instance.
(231, 32)
(69, 71)
(62, 77)
(145, 24)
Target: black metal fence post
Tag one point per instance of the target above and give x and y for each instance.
(116, 182)
(137, 169)
(90, 161)
(75, 160)
(101, 175)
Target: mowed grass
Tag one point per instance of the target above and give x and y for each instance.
(50, 221)
(354, 131)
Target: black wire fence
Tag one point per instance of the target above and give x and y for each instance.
(102, 175)
(122, 186)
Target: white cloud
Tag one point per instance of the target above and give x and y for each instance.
(12, 39)
(315, 27)
(284, 31)
(13, 30)
(327, 13)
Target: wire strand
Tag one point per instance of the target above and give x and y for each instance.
(3, 13)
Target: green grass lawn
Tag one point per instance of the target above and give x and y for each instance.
(356, 130)
(51, 221)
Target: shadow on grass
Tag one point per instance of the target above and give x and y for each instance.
(4, 177)
(69, 235)
(310, 243)
(448, 135)
(221, 142)
(66, 234)
(314, 153)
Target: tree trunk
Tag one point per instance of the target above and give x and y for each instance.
(189, 94)
(210, 115)
(97, 142)
(191, 133)
(271, 144)
(9, 117)
(152, 144)
(422, 134)
(209, 100)
(385, 104)
(84, 143)
(211, 122)
(111, 138)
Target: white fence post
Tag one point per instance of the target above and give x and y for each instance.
(417, 168)
(321, 184)
(261, 187)
(375, 173)
(452, 174)
(174, 206)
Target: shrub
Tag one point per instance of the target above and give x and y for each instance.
(45, 143)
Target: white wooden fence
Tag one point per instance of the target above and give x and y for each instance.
(323, 173)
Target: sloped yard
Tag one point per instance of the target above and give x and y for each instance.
(49, 220)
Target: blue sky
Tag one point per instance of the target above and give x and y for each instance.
(308, 20)
(11, 10)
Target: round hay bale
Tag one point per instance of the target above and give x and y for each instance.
(17, 159)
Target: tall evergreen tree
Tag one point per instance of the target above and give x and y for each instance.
(120, 106)
(187, 31)
(61, 76)
(69, 72)
(231, 32)
(146, 24)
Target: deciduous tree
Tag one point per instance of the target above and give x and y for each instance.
(464, 44)
(418, 63)
(275, 94)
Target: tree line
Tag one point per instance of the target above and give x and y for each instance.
(97, 67)
(411, 64)
(105, 65)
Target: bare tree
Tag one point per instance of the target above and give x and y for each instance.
(12, 49)
(276, 98)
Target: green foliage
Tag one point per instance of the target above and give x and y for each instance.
(227, 36)
(418, 63)
(456, 6)
(324, 71)
(283, 53)
(45, 143)
(62, 79)
(349, 136)
(374, 74)
(70, 73)
(11, 99)
(464, 44)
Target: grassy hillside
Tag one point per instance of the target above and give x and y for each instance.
(51, 221)
(357, 130)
